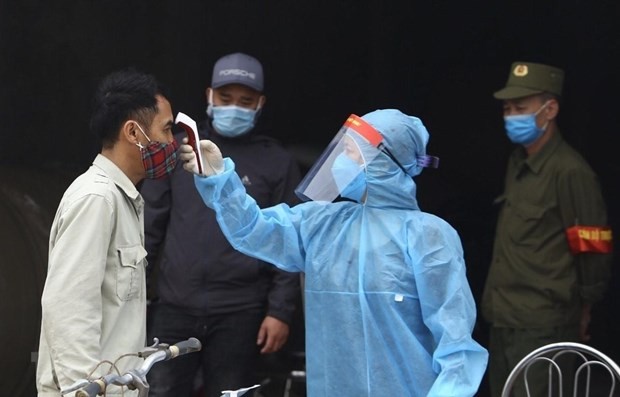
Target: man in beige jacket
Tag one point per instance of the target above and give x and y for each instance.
(94, 299)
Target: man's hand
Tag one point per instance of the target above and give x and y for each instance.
(272, 334)
(213, 163)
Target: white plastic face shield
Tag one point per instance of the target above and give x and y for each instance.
(339, 170)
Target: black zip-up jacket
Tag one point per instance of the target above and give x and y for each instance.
(191, 264)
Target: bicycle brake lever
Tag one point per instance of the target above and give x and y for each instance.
(154, 348)
(139, 382)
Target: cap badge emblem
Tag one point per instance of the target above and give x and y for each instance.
(520, 70)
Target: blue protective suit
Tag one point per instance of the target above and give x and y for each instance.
(389, 310)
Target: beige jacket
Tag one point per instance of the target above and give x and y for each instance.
(94, 299)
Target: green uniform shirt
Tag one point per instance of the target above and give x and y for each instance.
(534, 280)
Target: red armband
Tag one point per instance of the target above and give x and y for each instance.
(595, 239)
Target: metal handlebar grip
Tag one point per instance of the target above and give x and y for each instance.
(184, 347)
(92, 389)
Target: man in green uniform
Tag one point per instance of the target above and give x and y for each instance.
(552, 250)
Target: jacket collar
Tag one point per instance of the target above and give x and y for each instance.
(536, 161)
(117, 176)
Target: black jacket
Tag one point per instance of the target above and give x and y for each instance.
(191, 264)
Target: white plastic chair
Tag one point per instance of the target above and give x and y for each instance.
(590, 364)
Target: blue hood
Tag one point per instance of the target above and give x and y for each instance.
(406, 138)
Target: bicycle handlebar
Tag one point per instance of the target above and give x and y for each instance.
(187, 346)
(135, 378)
(92, 389)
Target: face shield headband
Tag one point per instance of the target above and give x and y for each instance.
(425, 161)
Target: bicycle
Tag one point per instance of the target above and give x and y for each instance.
(134, 378)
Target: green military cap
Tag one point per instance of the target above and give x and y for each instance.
(527, 78)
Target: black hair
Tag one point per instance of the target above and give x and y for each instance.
(123, 95)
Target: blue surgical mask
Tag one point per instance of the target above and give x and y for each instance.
(349, 177)
(231, 121)
(522, 128)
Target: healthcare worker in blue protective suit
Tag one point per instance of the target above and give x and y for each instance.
(389, 310)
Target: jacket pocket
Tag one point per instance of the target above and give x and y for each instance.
(130, 272)
(528, 220)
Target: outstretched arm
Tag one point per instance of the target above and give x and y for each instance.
(270, 234)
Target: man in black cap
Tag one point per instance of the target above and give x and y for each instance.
(552, 251)
(236, 305)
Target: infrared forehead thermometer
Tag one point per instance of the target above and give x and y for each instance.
(191, 129)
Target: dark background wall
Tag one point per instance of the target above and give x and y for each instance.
(439, 60)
